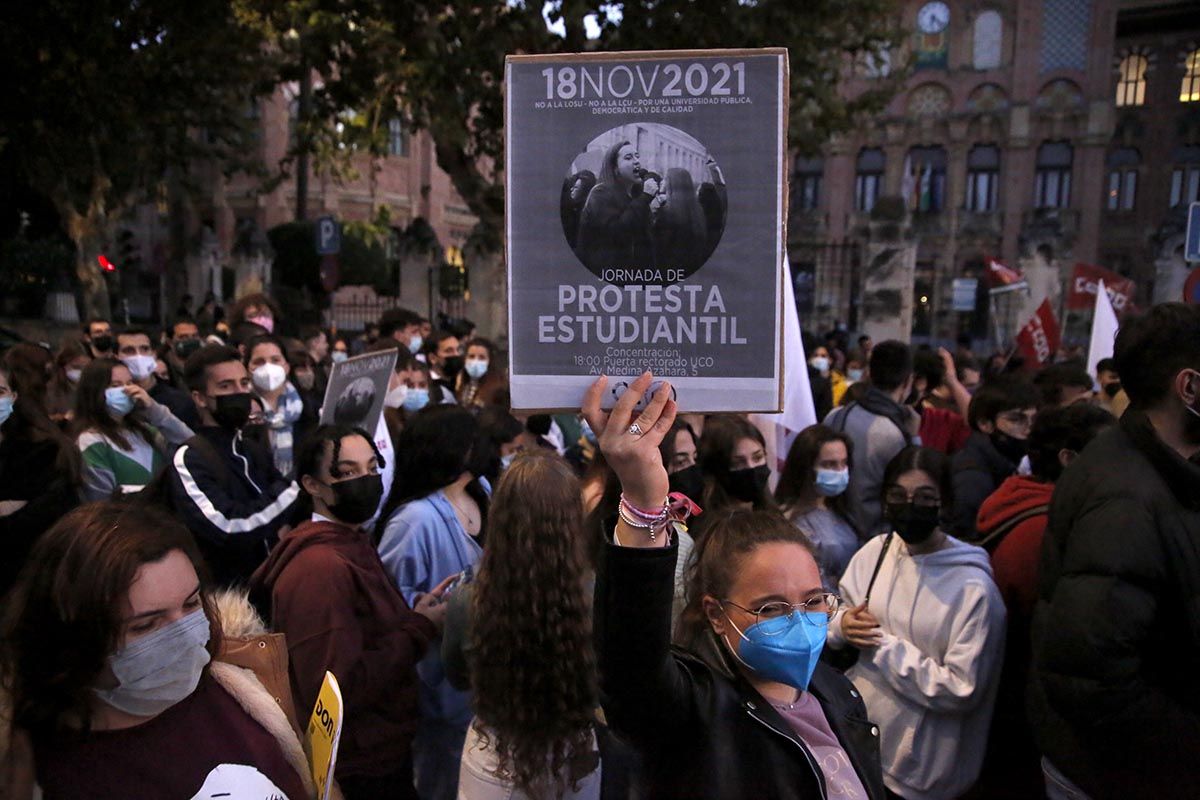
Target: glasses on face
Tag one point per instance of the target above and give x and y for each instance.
(826, 604)
(1019, 418)
(921, 497)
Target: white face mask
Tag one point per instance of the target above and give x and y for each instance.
(269, 377)
(157, 671)
(395, 397)
(73, 375)
(140, 367)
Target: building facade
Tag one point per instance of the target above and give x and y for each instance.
(1152, 165)
(235, 212)
(1002, 143)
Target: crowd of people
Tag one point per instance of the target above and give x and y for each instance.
(964, 581)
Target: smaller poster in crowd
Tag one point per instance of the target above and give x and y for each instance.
(1087, 277)
(1039, 339)
(356, 390)
(324, 733)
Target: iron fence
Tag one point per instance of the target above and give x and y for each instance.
(827, 278)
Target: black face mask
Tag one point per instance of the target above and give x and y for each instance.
(1010, 447)
(688, 482)
(102, 343)
(232, 410)
(185, 347)
(451, 366)
(746, 484)
(355, 500)
(1113, 389)
(914, 524)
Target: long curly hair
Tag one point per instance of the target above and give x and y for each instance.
(532, 663)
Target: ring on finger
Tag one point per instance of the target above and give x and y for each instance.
(635, 429)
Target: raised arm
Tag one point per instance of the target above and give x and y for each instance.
(648, 694)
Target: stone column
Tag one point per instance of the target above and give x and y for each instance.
(889, 268)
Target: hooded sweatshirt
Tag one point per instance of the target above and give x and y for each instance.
(1011, 524)
(329, 594)
(931, 683)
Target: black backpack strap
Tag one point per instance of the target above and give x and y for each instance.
(993, 539)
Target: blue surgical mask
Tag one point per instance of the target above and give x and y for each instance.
(414, 344)
(338, 356)
(416, 399)
(506, 461)
(476, 369)
(785, 649)
(832, 482)
(854, 375)
(6, 409)
(819, 363)
(119, 404)
(157, 671)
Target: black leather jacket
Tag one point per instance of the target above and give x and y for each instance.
(703, 734)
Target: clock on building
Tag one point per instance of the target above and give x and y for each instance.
(933, 17)
(932, 39)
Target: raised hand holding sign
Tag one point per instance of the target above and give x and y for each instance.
(630, 445)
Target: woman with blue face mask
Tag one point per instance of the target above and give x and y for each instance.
(481, 377)
(745, 708)
(923, 612)
(812, 494)
(123, 434)
(119, 677)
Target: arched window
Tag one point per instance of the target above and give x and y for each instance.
(1122, 179)
(989, 40)
(868, 177)
(1189, 90)
(925, 179)
(1185, 177)
(1052, 183)
(806, 183)
(983, 177)
(1131, 83)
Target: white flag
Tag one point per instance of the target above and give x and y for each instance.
(798, 411)
(1104, 330)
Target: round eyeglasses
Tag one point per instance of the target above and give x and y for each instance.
(825, 604)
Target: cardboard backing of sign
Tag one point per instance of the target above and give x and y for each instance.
(646, 199)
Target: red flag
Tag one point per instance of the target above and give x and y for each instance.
(1038, 341)
(999, 274)
(1083, 288)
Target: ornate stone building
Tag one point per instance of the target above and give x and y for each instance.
(1002, 143)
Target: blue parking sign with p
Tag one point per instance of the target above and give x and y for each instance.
(329, 236)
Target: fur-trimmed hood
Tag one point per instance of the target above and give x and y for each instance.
(252, 668)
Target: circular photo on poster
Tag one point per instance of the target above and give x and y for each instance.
(354, 403)
(644, 203)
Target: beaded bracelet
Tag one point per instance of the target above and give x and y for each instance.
(649, 521)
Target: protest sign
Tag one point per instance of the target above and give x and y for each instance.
(324, 734)
(356, 390)
(1084, 280)
(1039, 340)
(645, 225)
